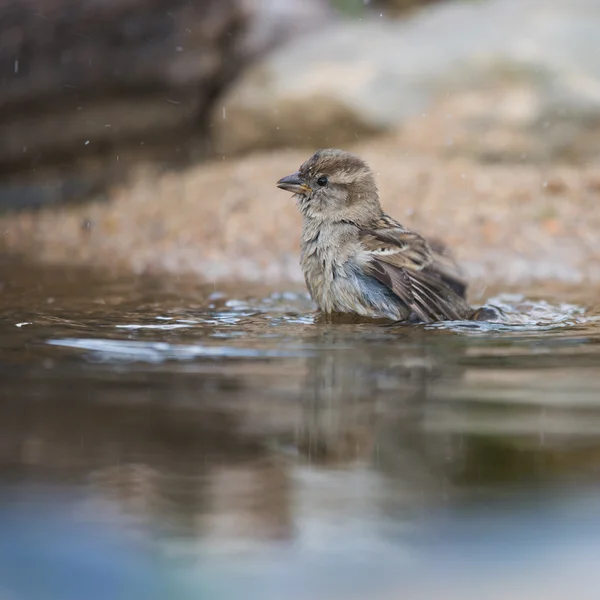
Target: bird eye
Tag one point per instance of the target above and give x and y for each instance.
(322, 181)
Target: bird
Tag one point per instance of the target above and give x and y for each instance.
(357, 260)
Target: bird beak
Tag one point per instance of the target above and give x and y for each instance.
(293, 183)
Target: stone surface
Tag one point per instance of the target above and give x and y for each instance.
(528, 68)
(226, 220)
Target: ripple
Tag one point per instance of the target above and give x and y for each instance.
(156, 352)
(522, 315)
(168, 327)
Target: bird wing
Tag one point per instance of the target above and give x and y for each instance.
(444, 264)
(425, 280)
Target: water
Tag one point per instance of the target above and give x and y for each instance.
(163, 439)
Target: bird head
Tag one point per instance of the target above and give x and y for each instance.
(334, 185)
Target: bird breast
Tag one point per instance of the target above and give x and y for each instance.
(326, 250)
(330, 263)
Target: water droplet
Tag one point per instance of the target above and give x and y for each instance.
(87, 142)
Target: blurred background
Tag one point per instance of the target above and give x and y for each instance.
(147, 136)
(173, 421)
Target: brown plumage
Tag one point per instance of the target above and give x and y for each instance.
(358, 260)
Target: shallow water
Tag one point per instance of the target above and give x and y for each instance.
(164, 439)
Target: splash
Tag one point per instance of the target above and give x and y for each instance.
(518, 314)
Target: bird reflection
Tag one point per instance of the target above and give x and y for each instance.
(364, 399)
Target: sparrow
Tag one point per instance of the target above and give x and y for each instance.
(357, 260)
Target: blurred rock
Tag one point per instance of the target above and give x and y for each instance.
(524, 68)
(80, 74)
(273, 22)
(104, 84)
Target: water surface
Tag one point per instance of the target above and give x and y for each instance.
(160, 438)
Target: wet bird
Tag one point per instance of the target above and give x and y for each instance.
(357, 260)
